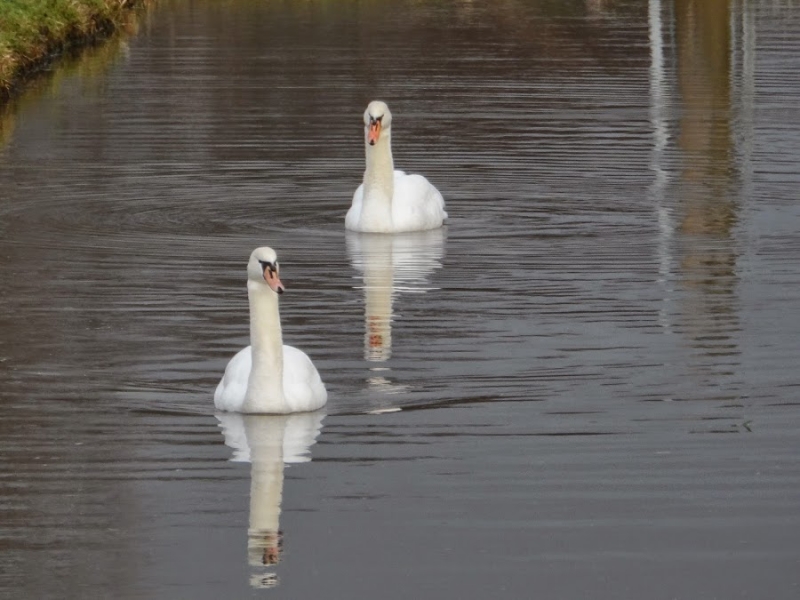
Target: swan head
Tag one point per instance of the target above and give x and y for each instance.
(377, 119)
(263, 269)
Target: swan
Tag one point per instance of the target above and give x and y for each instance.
(268, 377)
(390, 201)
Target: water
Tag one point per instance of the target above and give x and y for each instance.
(595, 361)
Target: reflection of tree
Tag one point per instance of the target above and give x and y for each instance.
(373, 50)
(708, 208)
(6, 126)
(703, 39)
(88, 65)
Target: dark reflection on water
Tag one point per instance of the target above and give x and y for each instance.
(615, 288)
(700, 243)
(707, 212)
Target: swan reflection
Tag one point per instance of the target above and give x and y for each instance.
(389, 265)
(268, 442)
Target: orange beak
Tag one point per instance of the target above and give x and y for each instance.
(374, 132)
(273, 281)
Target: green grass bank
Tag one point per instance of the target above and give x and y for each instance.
(35, 32)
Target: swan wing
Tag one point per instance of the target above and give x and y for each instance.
(232, 388)
(416, 205)
(302, 385)
(353, 217)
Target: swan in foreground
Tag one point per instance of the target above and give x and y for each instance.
(390, 201)
(268, 377)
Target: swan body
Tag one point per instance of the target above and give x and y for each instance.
(267, 376)
(388, 200)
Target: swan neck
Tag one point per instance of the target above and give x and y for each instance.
(265, 385)
(379, 175)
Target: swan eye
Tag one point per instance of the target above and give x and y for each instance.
(266, 265)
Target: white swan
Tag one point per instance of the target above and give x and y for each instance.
(390, 201)
(268, 377)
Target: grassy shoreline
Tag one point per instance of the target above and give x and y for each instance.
(35, 32)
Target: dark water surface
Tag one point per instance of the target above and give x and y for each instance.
(597, 360)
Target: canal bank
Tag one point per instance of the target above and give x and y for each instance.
(35, 33)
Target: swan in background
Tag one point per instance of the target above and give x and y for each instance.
(390, 201)
(390, 264)
(268, 377)
(268, 442)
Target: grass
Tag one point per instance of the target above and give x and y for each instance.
(34, 32)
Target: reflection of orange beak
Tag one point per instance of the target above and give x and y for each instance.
(374, 330)
(272, 556)
(273, 281)
(374, 132)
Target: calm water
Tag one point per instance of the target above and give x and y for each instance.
(596, 361)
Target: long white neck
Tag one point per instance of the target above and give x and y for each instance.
(265, 385)
(376, 213)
